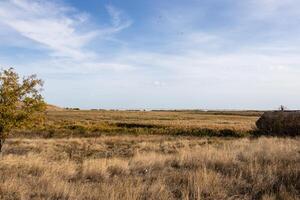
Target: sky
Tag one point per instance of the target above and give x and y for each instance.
(156, 54)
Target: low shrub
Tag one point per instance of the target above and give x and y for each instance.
(282, 123)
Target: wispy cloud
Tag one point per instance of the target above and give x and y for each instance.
(118, 18)
(56, 27)
(268, 10)
(241, 49)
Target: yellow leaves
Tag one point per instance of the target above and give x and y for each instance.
(21, 103)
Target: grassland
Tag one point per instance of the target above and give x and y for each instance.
(95, 123)
(148, 155)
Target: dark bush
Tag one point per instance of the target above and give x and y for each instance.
(283, 123)
(77, 128)
(229, 133)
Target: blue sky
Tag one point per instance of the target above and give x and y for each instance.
(214, 54)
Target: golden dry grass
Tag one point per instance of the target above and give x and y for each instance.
(150, 167)
(182, 119)
(68, 123)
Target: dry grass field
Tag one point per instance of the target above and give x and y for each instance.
(84, 155)
(95, 123)
(183, 119)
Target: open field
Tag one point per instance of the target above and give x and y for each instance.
(149, 155)
(95, 123)
(150, 167)
(188, 119)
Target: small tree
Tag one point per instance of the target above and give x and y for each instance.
(282, 108)
(21, 103)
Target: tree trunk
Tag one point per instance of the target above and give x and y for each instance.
(1, 144)
(2, 138)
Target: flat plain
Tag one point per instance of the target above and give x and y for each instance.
(149, 155)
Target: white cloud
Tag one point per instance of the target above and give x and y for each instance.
(268, 9)
(273, 5)
(159, 83)
(196, 64)
(118, 18)
(55, 26)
